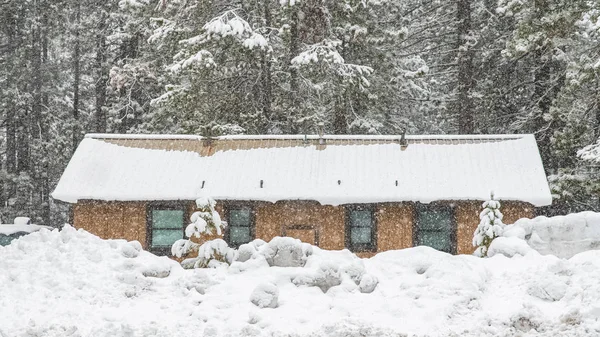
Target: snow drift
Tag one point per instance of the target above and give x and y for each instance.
(71, 283)
(562, 236)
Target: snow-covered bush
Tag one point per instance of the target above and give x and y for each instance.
(249, 250)
(328, 276)
(204, 222)
(331, 273)
(489, 228)
(265, 295)
(212, 252)
(286, 252)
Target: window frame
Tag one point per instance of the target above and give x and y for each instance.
(437, 206)
(163, 206)
(252, 225)
(360, 247)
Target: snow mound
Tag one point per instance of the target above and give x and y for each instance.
(562, 236)
(286, 252)
(265, 295)
(50, 274)
(509, 247)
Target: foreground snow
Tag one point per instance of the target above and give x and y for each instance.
(563, 235)
(71, 283)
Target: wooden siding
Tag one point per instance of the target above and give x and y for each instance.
(394, 226)
(327, 224)
(324, 222)
(467, 218)
(112, 220)
(304, 220)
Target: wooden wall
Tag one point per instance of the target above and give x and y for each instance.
(325, 225)
(112, 220)
(467, 220)
(305, 220)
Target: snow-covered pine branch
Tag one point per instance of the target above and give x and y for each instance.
(590, 153)
(490, 226)
(326, 55)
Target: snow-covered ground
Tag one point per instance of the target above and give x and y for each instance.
(563, 236)
(71, 283)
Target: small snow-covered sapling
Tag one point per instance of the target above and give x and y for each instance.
(206, 221)
(490, 227)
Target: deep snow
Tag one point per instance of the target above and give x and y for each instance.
(563, 235)
(71, 283)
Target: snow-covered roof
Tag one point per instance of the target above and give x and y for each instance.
(8, 229)
(329, 169)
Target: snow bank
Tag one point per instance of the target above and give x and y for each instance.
(563, 236)
(58, 283)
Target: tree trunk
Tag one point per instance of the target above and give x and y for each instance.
(11, 144)
(597, 101)
(45, 178)
(76, 75)
(294, 48)
(267, 95)
(465, 68)
(340, 123)
(101, 72)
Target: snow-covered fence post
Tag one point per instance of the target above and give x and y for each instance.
(204, 222)
(490, 226)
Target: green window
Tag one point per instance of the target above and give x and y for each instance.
(239, 225)
(435, 227)
(167, 227)
(360, 229)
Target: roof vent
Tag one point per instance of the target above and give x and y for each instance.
(321, 127)
(403, 141)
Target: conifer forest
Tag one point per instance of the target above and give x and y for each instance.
(213, 67)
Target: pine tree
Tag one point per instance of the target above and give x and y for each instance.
(489, 228)
(205, 222)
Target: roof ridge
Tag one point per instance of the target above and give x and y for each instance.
(308, 137)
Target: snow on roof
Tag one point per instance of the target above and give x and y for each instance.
(8, 229)
(332, 170)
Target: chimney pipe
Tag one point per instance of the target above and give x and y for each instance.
(403, 141)
(321, 127)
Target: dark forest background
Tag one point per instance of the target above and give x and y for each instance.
(209, 67)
